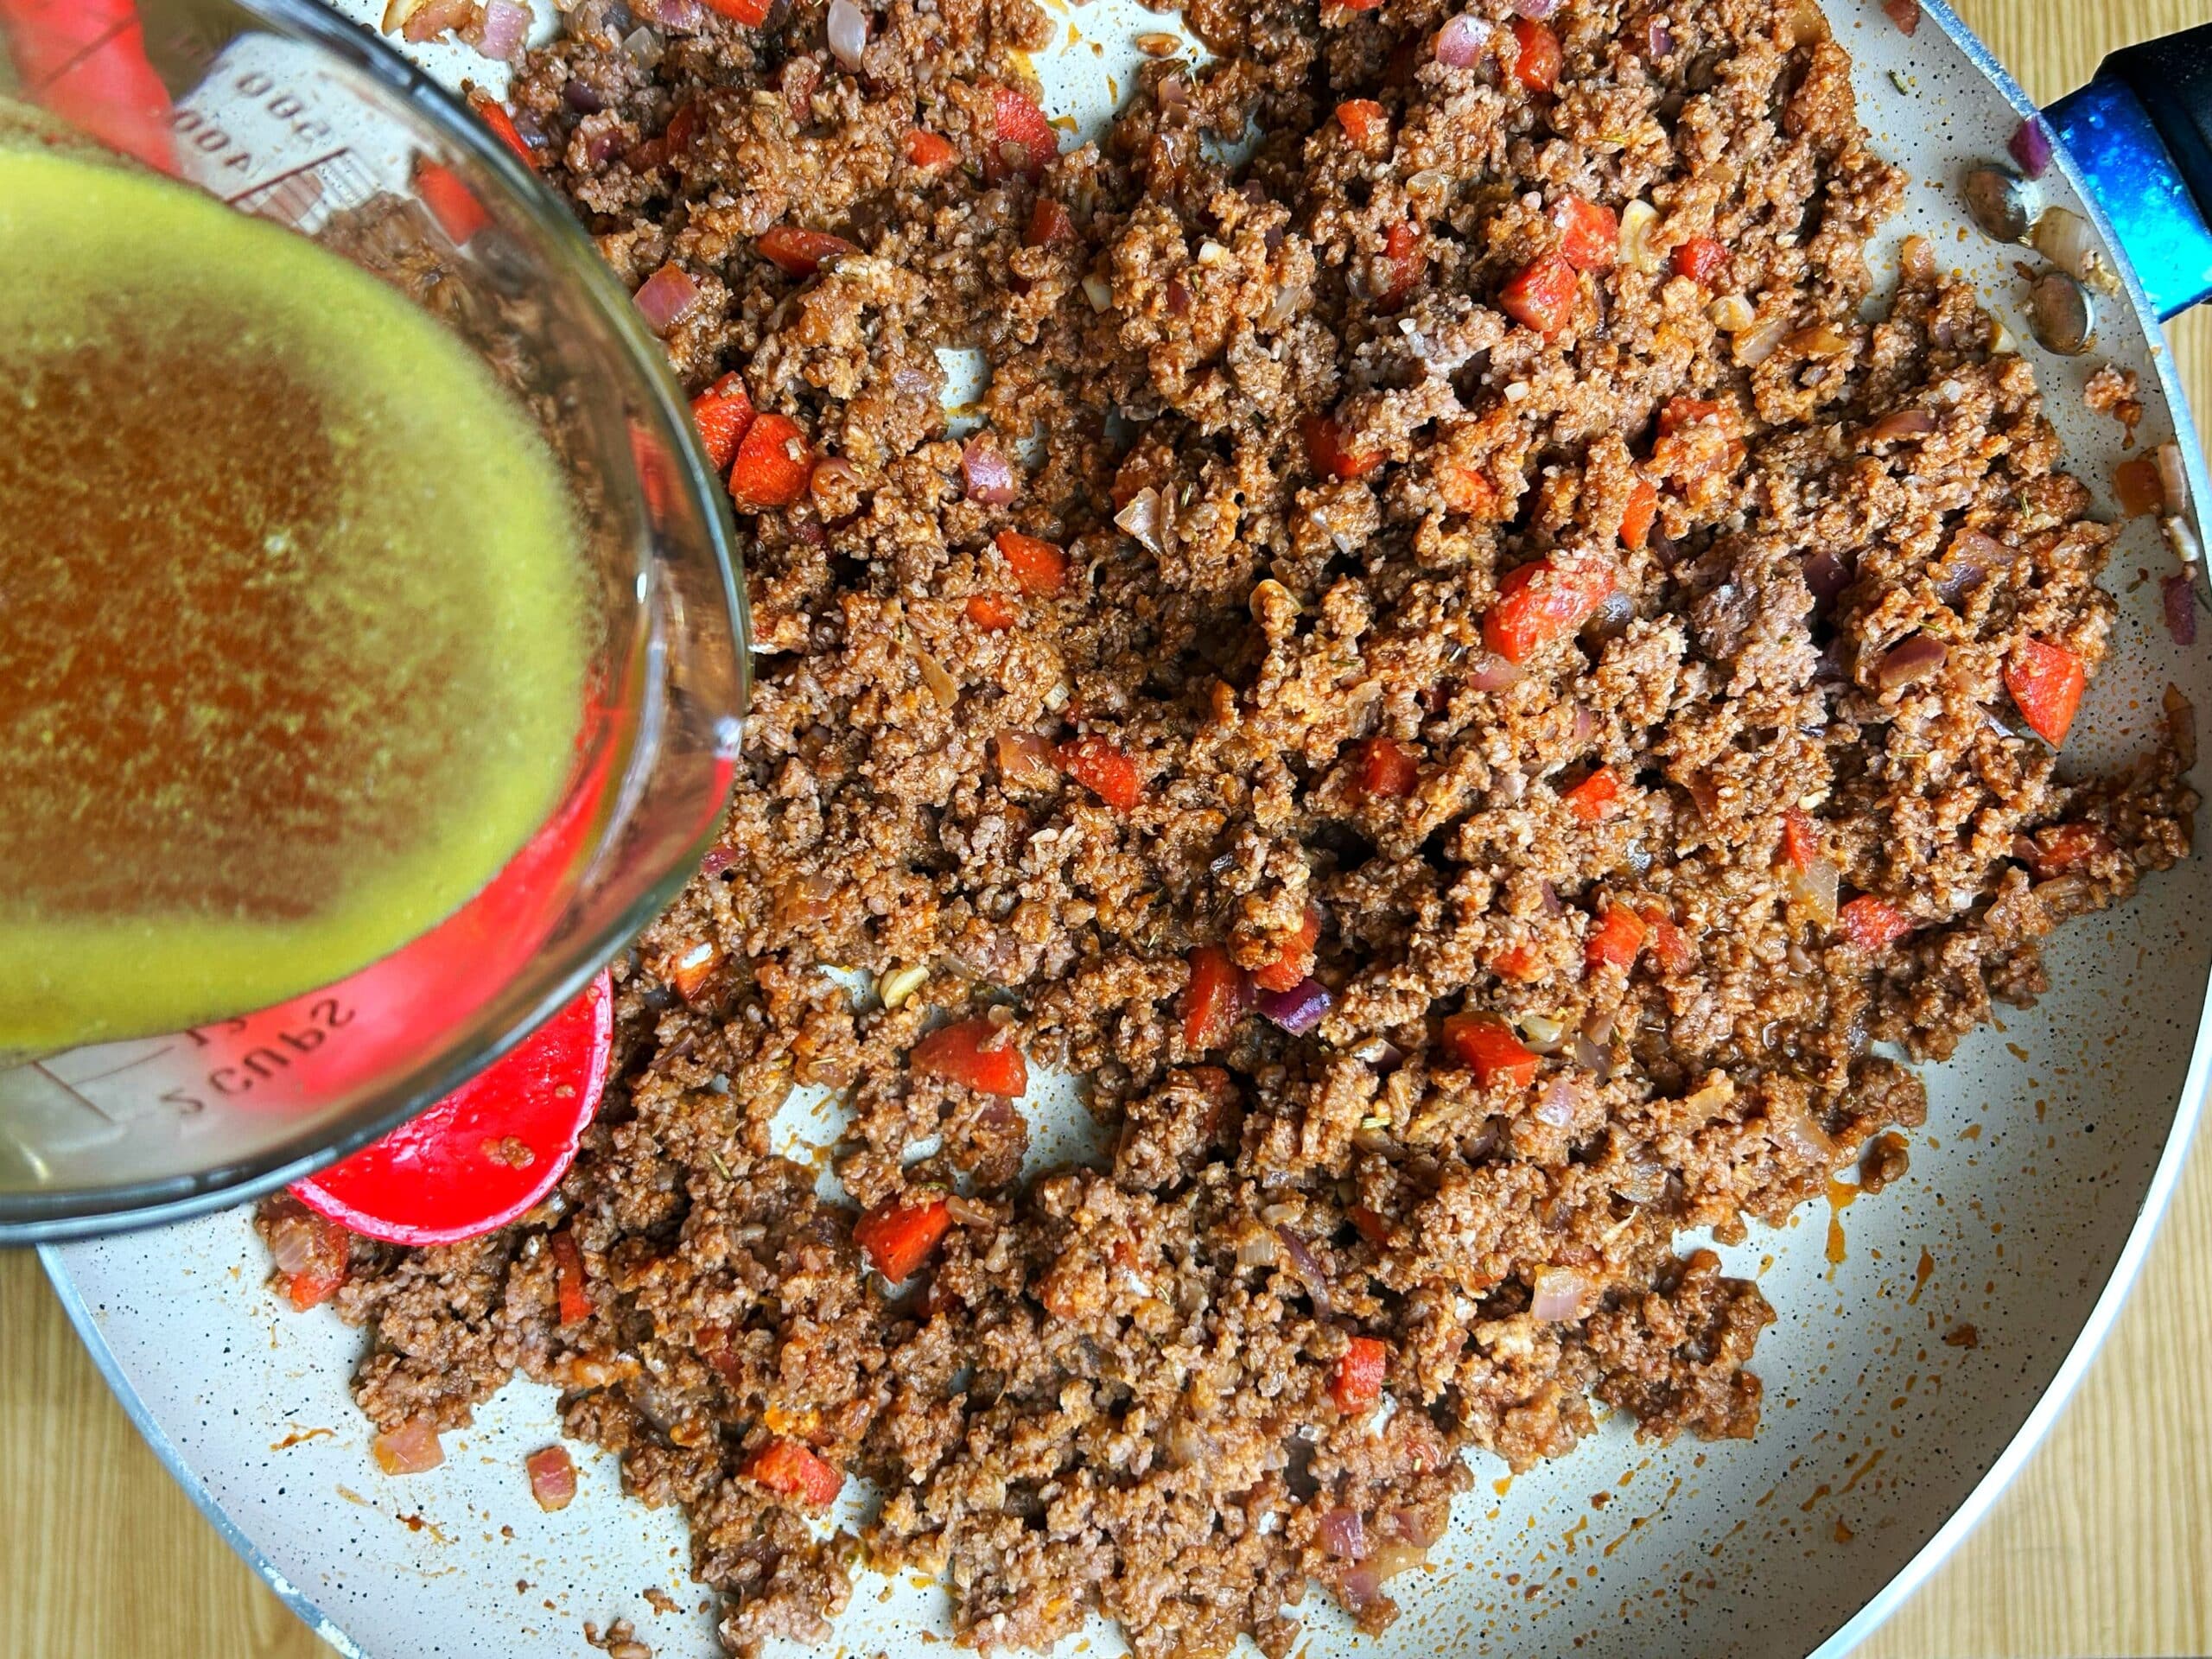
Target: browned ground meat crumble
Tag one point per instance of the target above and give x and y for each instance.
(1111, 1390)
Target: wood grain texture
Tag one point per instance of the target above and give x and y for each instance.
(2103, 1547)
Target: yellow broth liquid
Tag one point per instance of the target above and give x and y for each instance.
(291, 619)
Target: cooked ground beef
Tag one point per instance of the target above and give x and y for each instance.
(1586, 687)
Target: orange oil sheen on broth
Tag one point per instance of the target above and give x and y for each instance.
(291, 626)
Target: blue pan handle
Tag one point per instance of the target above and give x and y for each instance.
(2141, 132)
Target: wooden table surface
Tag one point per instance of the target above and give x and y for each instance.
(2103, 1547)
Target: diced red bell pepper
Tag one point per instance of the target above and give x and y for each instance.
(966, 1052)
(1537, 60)
(1615, 939)
(329, 1261)
(2136, 485)
(1668, 945)
(1679, 412)
(1801, 840)
(494, 114)
(772, 465)
(1370, 1225)
(1873, 924)
(1597, 798)
(789, 1469)
(1040, 567)
(930, 150)
(798, 252)
(487, 1152)
(2046, 682)
(1465, 489)
(1486, 1045)
(452, 203)
(1516, 961)
(1048, 222)
(569, 1276)
(1541, 295)
(1540, 602)
(897, 1237)
(1640, 514)
(721, 413)
(1701, 258)
(751, 13)
(1022, 140)
(1100, 766)
(993, 612)
(1218, 995)
(1402, 252)
(1363, 121)
(1389, 770)
(1331, 453)
(552, 1474)
(1589, 234)
(1289, 968)
(690, 968)
(1356, 1381)
(2066, 848)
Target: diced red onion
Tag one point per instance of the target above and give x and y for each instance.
(2179, 592)
(2031, 147)
(504, 28)
(1487, 671)
(1658, 39)
(1344, 1535)
(1555, 1105)
(2064, 237)
(552, 1477)
(1548, 894)
(1535, 11)
(1171, 90)
(1360, 1586)
(581, 97)
(1299, 1009)
(1560, 1293)
(1461, 43)
(988, 475)
(1598, 1061)
(666, 297)
(599, 147)
(644, 47)
(1914, 658)
(1257, 1250)
(1307, 1266)
(848, 30)
(671, 14)
(295, 1243)
(1789, 1123)
(428, 19)
(408, 1449)
(1420, 1528)
(1902, 423)
(1146, 518)
(1959, 579)
(1380, 1053)
(1814, 887)
(2173, 477)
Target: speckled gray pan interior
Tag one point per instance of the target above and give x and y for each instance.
(1927, 1335)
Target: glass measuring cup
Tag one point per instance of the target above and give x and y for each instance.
(283, 110)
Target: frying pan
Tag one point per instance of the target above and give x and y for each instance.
(1926, 1339)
